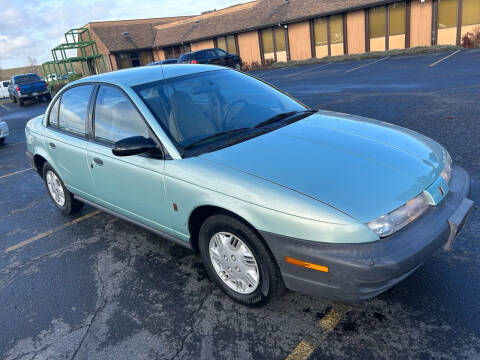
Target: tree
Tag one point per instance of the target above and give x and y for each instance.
(32, 61)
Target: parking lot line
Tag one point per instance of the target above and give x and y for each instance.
(52, 231)
(15, 173)
(327, 324)
(445, 58)
(360, 67)
(3, 106)
(306, 70)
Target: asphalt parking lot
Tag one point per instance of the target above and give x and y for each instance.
(92, 286)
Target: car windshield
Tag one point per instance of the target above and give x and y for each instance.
(26, 78)
(215, 106)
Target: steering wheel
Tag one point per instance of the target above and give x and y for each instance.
(229, 123)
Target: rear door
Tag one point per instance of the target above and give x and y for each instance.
(131, 185)
(66, 139)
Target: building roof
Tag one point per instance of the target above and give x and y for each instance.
(141, 32)
(249, 16)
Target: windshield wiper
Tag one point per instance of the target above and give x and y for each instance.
(297, 115)
(220, 134)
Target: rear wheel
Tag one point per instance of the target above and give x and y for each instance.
(2, 140)
(237, 66)
(14, 99)
(20, 101)
(48, 97)
(61, 197)
(238, 261)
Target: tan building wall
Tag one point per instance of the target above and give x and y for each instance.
(158, 54)
(321, 51)
(113, 61)
(447, 36)
(299, 40)
(336, 49)
(205, 44)
(421, 23)
(356, 32)
(377, 44)
(396, 42)
(249, 47)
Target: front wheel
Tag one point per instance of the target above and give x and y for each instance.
(237, 66)
(238, 261)
(61, 197)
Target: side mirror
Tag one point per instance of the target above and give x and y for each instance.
(134, 145)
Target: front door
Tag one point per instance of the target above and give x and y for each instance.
(131, 185)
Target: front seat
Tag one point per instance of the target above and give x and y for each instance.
(186, 120)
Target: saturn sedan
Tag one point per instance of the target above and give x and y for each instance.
(271, 194)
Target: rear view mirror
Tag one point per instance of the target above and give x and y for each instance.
(134, 145)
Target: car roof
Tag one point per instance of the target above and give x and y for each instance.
(141, 75)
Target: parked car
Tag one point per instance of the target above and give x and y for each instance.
(27, 87)
(4, 88)
(3, 132)
(213, 57)
(164, 62)
(271, 193)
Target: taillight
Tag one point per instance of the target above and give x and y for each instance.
(18, 88)
(193, 61)
(46, 84)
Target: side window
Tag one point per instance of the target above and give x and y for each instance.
(220, 52)
(115, 116)
(53, 115)
(74, 109)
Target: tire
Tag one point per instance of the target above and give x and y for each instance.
(263, 268)
(20, 101)
(237, 66)
(69, 205)
(14, 99)
(2, 141)
(48, 97)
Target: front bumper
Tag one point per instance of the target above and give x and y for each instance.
(361, 271)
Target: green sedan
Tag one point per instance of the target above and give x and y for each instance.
(272, 194)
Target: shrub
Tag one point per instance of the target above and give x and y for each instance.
(471, 39)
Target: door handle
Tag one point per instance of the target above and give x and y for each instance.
(98, 161)
(52, 145)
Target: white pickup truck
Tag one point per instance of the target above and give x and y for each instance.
(4, 88)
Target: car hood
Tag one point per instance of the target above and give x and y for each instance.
(363, 167)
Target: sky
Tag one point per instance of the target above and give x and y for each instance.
(29, 29)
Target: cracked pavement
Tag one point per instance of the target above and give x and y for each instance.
(105, 289)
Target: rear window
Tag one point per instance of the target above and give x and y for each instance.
(26, 78)
(186, 57)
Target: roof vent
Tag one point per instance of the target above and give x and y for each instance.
(126, 35)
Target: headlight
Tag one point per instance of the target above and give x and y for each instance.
(388, 224)
(446, 173)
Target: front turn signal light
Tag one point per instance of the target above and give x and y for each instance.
(306, 264)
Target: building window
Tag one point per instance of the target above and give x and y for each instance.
(133, 59)
(447, 13)
(470, 12)
(377, 21)
(174, 52)
(320, 31)
(397, 18)
(336, 29)
(227, 43)
(274, 44)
